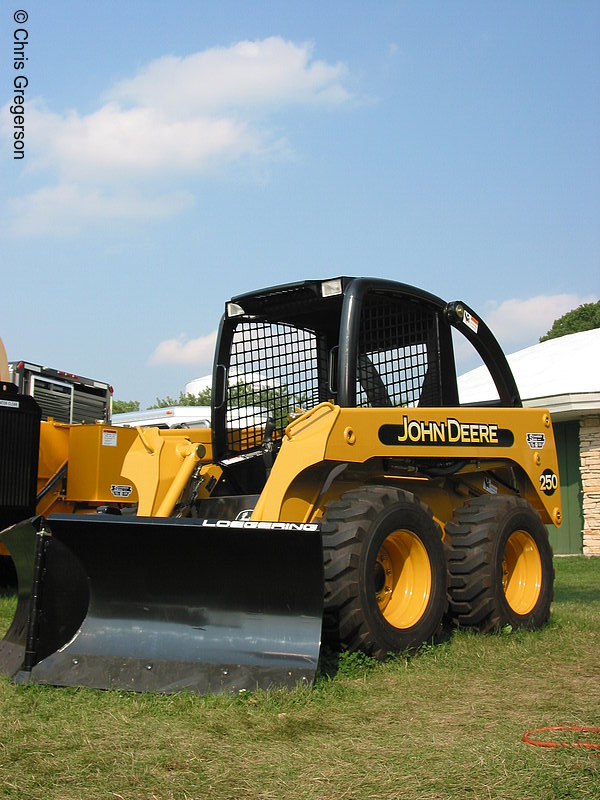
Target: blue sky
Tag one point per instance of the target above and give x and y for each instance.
(179, 153)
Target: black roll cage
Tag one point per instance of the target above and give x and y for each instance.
(337, 318)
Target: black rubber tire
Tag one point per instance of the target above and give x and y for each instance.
(476, 542)
(354, 529)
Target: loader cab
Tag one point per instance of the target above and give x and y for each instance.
(357, 342)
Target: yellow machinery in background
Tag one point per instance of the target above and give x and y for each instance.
(3, 363)
(342, 494)
(80, 467)
(41, 411)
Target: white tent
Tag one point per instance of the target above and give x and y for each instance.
(561, 374)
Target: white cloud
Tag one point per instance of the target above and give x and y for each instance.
(246, 75)
(115, 144)
(198, 352)
(60, 210)
(177, 120)
(519, 323)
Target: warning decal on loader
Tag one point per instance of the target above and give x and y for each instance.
(470, 321)
(445, 433)
(536, 441)
(120, 490)
(109, 438)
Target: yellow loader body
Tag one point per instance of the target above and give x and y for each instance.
(343, 496)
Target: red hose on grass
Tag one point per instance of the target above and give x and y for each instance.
(569, 728)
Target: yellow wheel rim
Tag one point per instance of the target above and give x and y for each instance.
(402, 579)
(521, 572)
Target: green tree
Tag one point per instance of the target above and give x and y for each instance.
(585, 317)
(276, 399)
(123, 406)
(185, 399)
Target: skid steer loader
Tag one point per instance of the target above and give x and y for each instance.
(342, 492)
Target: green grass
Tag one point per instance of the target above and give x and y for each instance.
(446, 723)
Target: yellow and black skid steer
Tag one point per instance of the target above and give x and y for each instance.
(342, 494)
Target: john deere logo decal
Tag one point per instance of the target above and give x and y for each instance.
(446, 432)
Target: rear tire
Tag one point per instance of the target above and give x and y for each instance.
(500, 565)
(385, 572)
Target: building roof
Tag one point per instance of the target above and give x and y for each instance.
(561, 374)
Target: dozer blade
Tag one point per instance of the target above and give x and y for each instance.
(150, 604)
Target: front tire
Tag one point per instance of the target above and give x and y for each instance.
(500, 565)
(385, 571)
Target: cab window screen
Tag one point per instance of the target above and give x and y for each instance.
(398, 355)
(273, 371)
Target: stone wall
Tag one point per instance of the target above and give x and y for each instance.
(589, 446)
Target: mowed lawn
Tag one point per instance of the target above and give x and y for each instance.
(447, 722)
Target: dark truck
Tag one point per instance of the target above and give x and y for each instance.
(63, 396)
